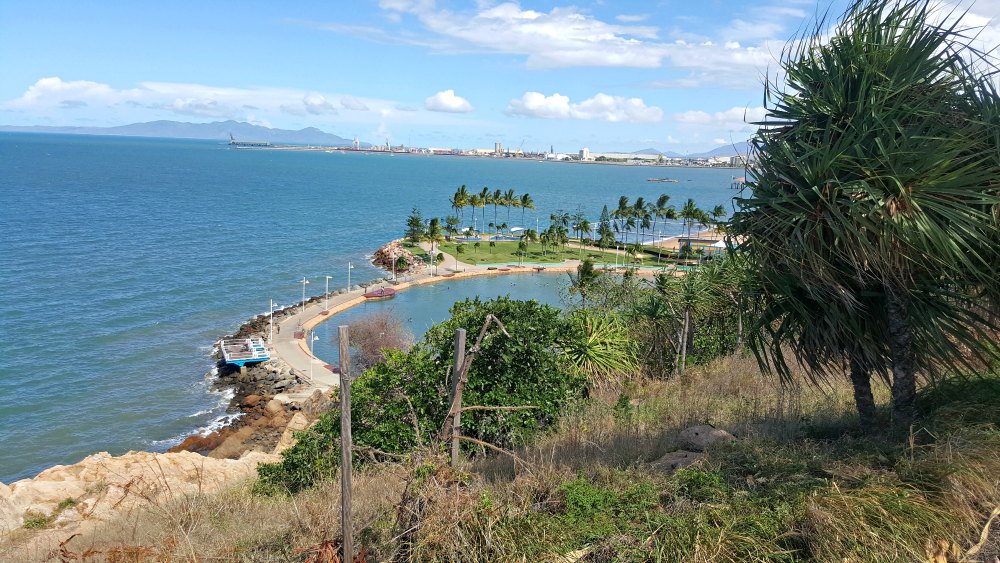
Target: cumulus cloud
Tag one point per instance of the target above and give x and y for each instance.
(352, 103)
(570, 37)
(719, 141)
(632, 18)
(200, 107)
(52, 94)
(601, 107)
(317, 104)
(447, 101)
(736, 115)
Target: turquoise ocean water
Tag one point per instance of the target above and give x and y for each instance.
(123, 259)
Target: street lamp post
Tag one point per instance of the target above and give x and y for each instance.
(304, 282)
(326, 305)
(312, 356)
(270, 316)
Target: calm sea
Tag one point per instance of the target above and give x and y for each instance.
(123, 259)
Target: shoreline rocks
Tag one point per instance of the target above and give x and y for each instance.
(102, 486)
(391, 252)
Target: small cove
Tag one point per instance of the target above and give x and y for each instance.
(423, 306)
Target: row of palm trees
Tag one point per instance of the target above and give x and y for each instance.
(642, 215)
(497, 198)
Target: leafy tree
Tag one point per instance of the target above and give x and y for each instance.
(872, 221)
(410, 390)
(415, 227)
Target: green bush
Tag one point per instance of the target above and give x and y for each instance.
(410, 390)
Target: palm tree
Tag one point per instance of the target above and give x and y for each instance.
(871, 223)
(623, 215)
(475, 201)
(526, 203)
(689, 213)
(585, 227)
(640, 214)
(486, 198)
(433, 232)
(451, 224)
(460, 200)
(585, 277)
(510, 200)
(495, 198)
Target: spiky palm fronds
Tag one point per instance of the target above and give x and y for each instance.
(873, 216)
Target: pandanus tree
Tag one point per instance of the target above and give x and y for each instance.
(874, 210)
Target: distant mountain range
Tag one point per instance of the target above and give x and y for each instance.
(735, 149)
(218, 130)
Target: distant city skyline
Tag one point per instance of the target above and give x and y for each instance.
(619, 76)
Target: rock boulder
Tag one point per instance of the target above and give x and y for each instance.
(697, 438)
(102, 486)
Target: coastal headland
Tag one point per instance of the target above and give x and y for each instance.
(271, 402)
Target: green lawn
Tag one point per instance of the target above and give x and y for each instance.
(505, 252)
(417, 251)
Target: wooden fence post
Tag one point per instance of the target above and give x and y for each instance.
(346, 444)
(456, 393)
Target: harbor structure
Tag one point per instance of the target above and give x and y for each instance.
(243, 351)
(233, 142)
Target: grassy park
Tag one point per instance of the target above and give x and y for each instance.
(506, 252)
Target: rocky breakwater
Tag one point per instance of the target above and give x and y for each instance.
(264, 424)
(394, 253)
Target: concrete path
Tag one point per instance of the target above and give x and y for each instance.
(292, 334)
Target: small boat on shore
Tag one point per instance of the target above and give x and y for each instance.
(382, 293)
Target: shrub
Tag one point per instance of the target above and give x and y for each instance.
(408, 392)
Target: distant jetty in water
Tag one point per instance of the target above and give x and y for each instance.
(233, 142)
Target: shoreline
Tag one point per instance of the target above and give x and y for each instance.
(260, 416)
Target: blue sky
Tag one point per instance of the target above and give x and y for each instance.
(607, 75)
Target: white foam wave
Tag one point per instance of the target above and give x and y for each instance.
(218, 424)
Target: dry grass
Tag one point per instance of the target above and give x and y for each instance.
(801, 483)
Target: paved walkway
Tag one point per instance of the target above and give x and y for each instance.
(292, 334)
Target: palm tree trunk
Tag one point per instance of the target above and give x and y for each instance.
(863, 398)
(904, 365)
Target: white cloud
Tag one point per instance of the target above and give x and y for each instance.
(447, 101)
(570, 37)
(733, 116)
(53, 94)
(632, 18)
(601, 107)
(672, 141)
(317, 104)
(352, 103)
(719, 141)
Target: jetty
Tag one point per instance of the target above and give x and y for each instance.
(243, 351)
